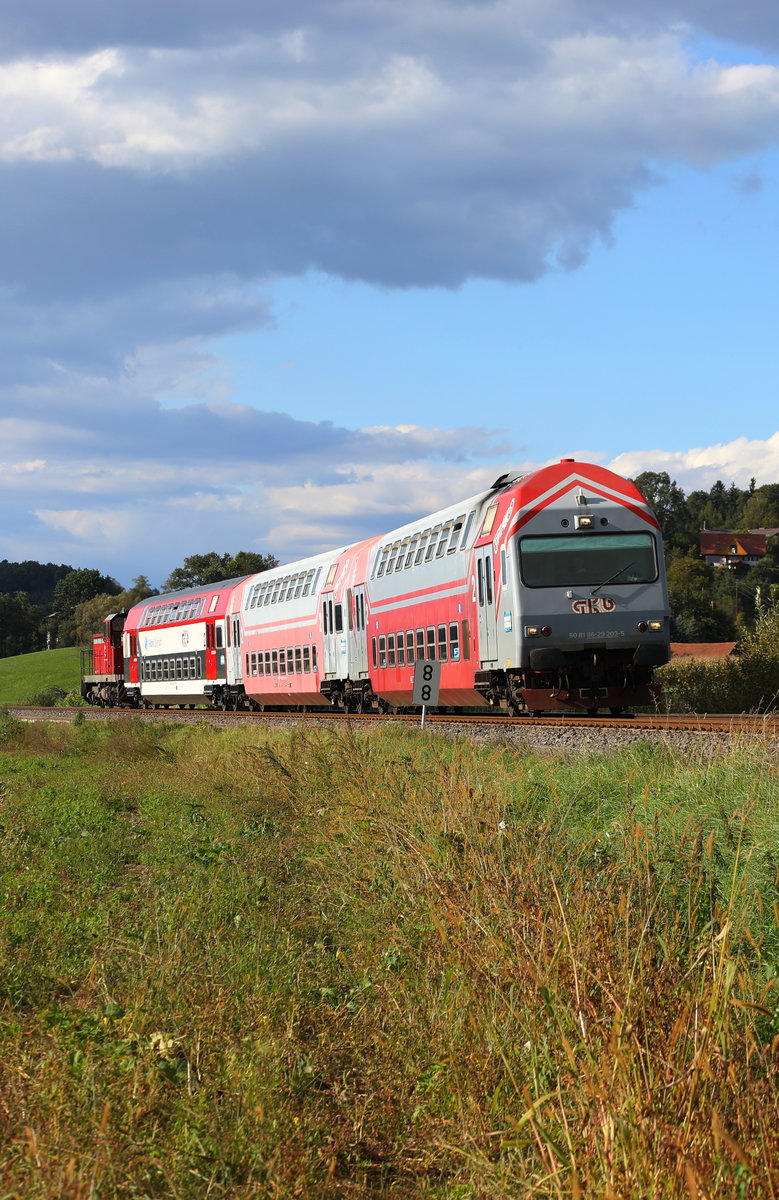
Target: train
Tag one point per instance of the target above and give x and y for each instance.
(544, 593)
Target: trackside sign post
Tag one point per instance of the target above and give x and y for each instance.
(427, 680)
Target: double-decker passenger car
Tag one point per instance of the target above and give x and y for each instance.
(547, 591)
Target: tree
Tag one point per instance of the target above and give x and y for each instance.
(75, 589)
(694, 615)
(199, 569)
(20, 625)
(666, 499)
(759, 512)
(78, 586)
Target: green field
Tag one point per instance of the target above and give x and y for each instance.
(253, 964)
(28, 675)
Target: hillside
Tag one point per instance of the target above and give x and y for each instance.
(28, 675)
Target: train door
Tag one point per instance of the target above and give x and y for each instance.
(216, 663)
(357, 638)
(485, 599)
(234, 649)
(334, 638)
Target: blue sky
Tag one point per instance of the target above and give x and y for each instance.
(294, 276)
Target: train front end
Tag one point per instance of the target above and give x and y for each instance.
(587, 617)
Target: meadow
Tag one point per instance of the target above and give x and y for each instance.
(255, 963)
(43, 677)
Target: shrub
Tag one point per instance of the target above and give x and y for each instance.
(746, 683)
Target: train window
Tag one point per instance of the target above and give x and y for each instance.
(392, 556)
(290, 661)
(401, 651)
(420, 554)
(488, 577)
(267, 662)
(315, 584)
(307, 584)
(588, 559)
(466, 641)
(254, 662)
(331, 574)
(306, 660)
(248, 669)
(298, 660)
(456, 531)
(374, 656)
(274, 662)
(410, 646)
(489, 520)
(325, 626)
(503, 570)
(339, 618)
(214, 602)
(383, 560)
(443, 543)
(431, 545)
(442, 644)
(420, 643)
(454, 642)
(276, 590)
(382, 651)
(165, 668)
(402, 554)
(282, 663)
(313, 658)
(480, 581)
(431, 641)
(390, 649)
(349, 610)
(219, 637)
(179, 668)
(412, 549)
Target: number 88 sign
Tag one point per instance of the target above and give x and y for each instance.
(427, 679)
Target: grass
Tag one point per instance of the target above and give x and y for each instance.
(242, 964)
(29, 675)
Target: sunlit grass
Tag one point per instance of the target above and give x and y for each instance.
(247, 963)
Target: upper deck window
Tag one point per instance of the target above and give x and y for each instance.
(588, 559)
(489, 520)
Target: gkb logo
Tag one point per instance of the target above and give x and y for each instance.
(594, 604)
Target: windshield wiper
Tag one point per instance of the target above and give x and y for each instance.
(611, 578)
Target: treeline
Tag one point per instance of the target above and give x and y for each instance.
(44, 604)
(710, 603)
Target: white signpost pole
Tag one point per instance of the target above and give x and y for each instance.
(427, 680)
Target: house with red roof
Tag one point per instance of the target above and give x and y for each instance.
(726, 548)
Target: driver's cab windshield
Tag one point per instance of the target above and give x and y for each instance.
(587, 559)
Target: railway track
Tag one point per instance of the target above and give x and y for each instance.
(732, 725)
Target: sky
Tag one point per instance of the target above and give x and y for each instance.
(277, 277)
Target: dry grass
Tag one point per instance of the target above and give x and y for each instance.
(388, 965)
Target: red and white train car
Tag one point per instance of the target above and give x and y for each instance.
(546, 591)
(176, 647)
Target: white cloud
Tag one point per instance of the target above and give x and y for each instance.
(732, 462)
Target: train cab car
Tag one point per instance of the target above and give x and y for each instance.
(176, 647)
(571, 592)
